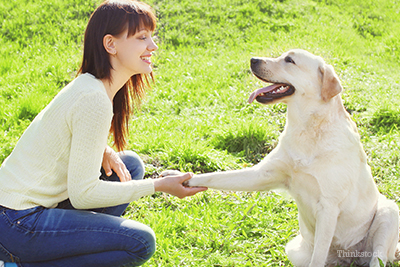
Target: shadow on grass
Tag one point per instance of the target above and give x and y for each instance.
(385, 119)
(250, 143)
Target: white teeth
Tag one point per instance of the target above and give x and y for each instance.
(282, 88)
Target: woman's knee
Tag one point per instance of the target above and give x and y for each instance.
(134, 164)
(143, 244)
(151, 245)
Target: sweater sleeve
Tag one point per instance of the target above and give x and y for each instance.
(90, 120)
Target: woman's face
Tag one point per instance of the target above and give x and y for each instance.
(133, 52)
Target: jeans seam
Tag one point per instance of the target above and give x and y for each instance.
(11, 256)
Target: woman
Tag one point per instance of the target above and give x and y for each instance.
(54, 209)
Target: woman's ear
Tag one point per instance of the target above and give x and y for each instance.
(109, 44)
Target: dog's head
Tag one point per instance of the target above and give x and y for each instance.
(294, 73)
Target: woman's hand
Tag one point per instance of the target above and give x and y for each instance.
(173, 184)
(112, 162)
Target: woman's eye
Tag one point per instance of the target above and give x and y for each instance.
(289, 60)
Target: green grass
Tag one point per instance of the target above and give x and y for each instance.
(197, 118)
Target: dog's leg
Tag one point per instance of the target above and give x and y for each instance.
(264, 176)
(299, 252)
(384, 232)
(326, 220)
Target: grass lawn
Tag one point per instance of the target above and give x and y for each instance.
(196, 117)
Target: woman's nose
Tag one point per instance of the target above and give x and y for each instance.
(152, 46)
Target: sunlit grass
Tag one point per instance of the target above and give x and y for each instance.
(197, 117)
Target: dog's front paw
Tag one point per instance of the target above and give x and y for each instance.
(169, 172)
(193, 182)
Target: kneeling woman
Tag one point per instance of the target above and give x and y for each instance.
(62, 189)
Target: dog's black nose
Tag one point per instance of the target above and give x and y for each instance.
(254, 61)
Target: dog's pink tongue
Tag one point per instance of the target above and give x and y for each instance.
(264, 90)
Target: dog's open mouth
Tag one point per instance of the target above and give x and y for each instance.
(272, 92)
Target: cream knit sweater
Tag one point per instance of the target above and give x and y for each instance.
(59, 155)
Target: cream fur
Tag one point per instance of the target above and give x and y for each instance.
(320, 161)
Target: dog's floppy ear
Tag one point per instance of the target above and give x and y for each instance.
(330, 82)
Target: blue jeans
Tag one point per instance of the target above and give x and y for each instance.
(68, 237)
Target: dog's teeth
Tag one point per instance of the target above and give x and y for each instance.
(280, 89)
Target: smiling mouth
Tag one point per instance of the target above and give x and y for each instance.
(272, 92)
(146, 59)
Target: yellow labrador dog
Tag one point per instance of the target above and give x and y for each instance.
(320, 161)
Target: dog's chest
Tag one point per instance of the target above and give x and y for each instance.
(305, 190)
(304, 187)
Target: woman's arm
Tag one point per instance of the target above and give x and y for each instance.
(90, 121)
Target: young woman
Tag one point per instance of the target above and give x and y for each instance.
(62, 189)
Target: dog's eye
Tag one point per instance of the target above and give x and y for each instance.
(289, 60)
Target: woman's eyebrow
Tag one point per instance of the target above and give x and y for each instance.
(142, 30)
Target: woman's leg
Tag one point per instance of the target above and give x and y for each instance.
(56, 237)
(68, 237)
(133, 163)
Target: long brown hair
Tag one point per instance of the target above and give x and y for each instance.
(114, 17)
